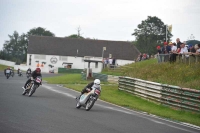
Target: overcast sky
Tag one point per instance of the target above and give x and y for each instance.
(100, 19)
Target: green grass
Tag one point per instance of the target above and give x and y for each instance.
(2, 67)
(178, 74)
(110, 93)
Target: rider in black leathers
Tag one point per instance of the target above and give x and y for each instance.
(34, 74)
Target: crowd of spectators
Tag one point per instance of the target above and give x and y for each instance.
(109, 62)
(169, 51)
(142, 57)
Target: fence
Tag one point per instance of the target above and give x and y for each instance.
(173, 96)
(180, 58)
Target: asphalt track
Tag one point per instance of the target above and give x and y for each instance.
(51, 109)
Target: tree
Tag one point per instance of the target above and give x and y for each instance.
(14, 49)
(39, 31)
(150, 33)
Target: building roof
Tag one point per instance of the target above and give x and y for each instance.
(81, 47)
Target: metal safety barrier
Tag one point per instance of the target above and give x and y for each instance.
(173, 96)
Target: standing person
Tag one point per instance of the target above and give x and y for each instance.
(198, 49)
(158, 53)
(104, 62)
(173, 52)
(110, 62)
(191, 48)
(34, 75)
(113, 62)
(178, 44)
(163, 52)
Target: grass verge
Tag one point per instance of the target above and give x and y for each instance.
(179, 74)
(2, 67)
(110, 93)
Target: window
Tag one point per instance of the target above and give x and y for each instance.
(63, 58)
(40, 57)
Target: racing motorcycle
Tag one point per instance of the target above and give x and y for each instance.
(32, 86)
(20, 74)
(7, 75)
(87, 100)
(12, 73)
(28, 75)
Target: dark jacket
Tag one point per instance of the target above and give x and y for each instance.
(89, 86)
(28, 70)
(34, 74)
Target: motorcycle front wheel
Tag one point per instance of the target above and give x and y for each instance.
(78, 105)
(89, 104)
(33, 88)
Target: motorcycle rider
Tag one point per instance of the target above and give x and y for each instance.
(28, 71)
(18, 71)
(8, 71)
(95, 83)
(34, 74)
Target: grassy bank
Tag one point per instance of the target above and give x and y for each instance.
(110, 93)
(2, 67)
(179, 74)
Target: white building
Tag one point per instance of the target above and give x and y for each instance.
(45, 52)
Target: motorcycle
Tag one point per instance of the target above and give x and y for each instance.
(7, 74)
(20, 74)
(87, 100)
(12, 74)
(32, 86)
(28, 75)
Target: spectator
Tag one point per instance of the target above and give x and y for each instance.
(191, 49)
(178, 43)
(144, 57)
(105, 62)
(140, 56)
(164, 48)
(158, 53)
(110, 62)
(168, 47)
(113, 61)
(165, 56)
(183, 48)
(198, 49)
(173, 52)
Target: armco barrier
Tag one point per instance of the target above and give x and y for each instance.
(173, 96)
(68, 70)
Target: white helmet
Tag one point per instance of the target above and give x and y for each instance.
(97, 81)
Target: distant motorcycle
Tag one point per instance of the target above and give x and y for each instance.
(87, 100)
(20, 74)
(8, 73)
(12, 74)
(28, 75)
(32, 86)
